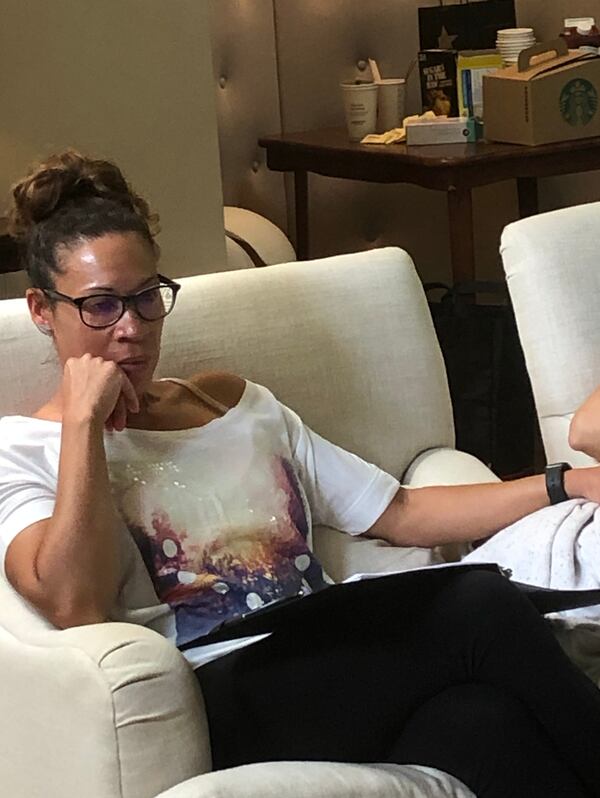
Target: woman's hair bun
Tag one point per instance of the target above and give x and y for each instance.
(70, 177)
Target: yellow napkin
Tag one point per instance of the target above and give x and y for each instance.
(397, 134)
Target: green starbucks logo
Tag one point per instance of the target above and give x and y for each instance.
(578, 102)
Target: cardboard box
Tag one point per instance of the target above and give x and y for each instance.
(556, 99)
(471, 67)
(440, 130)
(439, 92)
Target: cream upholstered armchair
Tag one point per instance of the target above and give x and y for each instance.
(553, 272)
(113, 710)
(247, 232)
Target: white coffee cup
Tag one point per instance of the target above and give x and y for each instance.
(391, 102)
(360, 106)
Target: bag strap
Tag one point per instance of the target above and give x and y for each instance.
(458, 291)
(248, 249)
(492, 287)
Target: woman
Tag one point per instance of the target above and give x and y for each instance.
(216, 482)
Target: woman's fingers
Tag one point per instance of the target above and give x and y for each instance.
(119, 414)
(132, 403)
(127, 402)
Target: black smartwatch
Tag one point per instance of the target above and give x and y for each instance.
(555, 482)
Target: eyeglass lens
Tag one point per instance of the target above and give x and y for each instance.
(152, 304)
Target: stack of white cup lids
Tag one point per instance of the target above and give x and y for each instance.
(583, 24)
(511, 41)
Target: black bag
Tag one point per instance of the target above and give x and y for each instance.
(494, 412)
(468, 26)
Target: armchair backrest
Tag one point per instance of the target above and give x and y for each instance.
(552, 267)
(348, 342)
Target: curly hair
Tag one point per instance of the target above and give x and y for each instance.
(66, 200)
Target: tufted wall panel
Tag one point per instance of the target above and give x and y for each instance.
(289, 58)
(247, 88)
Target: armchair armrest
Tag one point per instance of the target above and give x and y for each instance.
(266, 239)
(106, 711)
(343, 555)
(448, 467)
(323, 779)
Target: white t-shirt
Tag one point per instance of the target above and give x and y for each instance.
(217, 520)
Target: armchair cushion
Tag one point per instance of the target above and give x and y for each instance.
(343, 555)
(551, 265)
(347, 342)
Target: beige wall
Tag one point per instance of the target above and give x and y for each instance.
(547, 16)
(126, 79)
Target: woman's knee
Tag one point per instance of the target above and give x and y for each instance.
(486, 595)
(482, 608)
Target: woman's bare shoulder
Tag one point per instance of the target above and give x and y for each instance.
(220, 385)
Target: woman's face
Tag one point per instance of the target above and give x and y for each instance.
(115, 263)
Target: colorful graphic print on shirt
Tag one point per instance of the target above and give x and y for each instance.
(219, 548)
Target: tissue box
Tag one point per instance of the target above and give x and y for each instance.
(554, 100)
(438, 131)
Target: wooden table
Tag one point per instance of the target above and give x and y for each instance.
(453, 168)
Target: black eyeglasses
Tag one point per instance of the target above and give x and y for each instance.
(104, 310)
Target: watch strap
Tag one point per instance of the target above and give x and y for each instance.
(555, 482)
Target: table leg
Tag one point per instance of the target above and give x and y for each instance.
(462, 249)
(527, 190)
(301, 202)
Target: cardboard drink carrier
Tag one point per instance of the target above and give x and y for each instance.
(550, 95)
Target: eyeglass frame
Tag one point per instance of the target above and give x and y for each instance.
(127, 300)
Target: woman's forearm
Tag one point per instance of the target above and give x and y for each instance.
(433, 516)
(470, 512)
(77, 561)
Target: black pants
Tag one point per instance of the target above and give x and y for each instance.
(462, 675)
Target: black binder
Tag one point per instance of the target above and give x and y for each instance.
(320, 607)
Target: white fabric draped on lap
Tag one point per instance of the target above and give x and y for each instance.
(557, 547)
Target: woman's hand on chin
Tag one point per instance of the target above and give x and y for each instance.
(97, 391)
